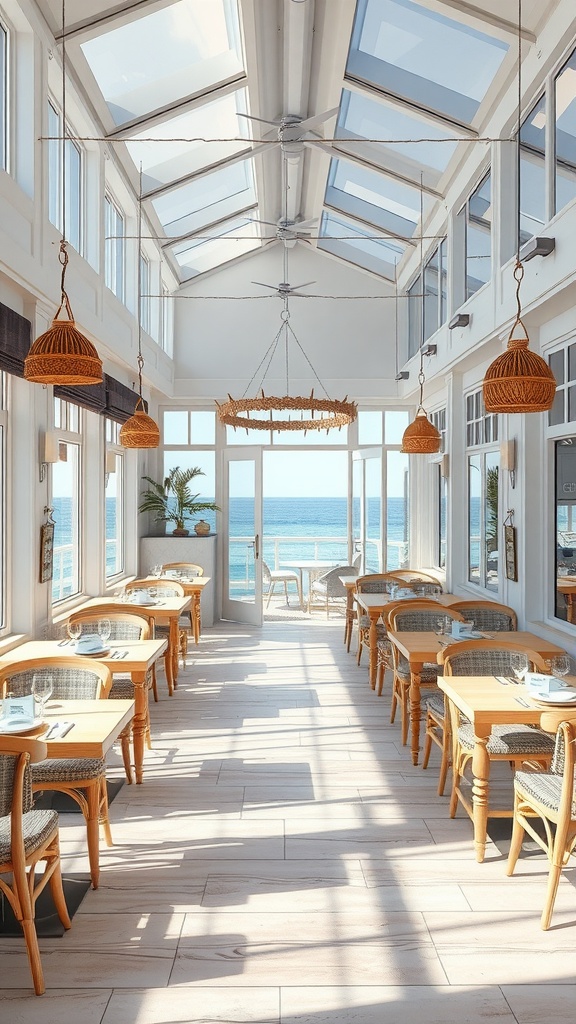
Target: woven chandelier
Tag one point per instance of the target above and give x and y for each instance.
(62, 355)
(140, 431)
(421, 436)
(518, 380)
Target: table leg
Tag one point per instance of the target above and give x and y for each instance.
(140, 721)
(415, 672)
(196, 620)
(174, 649)
(480, 790)
(349, 618)
(373, 636)
(569, 607)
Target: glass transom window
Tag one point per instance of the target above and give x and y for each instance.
(345, 239)
(423, 56)
(213, 197)
(235, 238)
(166, 56)
(391, 205)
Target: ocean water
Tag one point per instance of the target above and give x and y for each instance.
(310, 528)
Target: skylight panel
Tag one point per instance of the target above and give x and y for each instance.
(166, 56)
(343, 238)
(207, 199)
(165, 157)
(425, 57)
(364, 118)
(235, 238)
(389, 204)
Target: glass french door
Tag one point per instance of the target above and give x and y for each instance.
(367, 508)
(242, 583)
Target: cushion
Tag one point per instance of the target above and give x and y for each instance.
(37, 828)
(67, 769)
(510, 739)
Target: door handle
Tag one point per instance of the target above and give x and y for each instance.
(257, 546)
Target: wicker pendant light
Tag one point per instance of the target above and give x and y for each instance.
(62, 355)
(421, 436)
(140, 431)
(519, 380)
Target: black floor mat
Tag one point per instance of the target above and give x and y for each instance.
(66, 805)
(48, 924)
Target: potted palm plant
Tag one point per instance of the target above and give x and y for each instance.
(172, 500)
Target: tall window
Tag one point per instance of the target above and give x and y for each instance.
(3, 470)
(438, 418)
(114, 247)
(145, 300)
(114, 500)
(478, 220)
(414, 316)
(435, 295)
(533, 172)
(66, 502)
(166, 331)
(3, 97)
(565, 106)
(483, 473)
(72, 180)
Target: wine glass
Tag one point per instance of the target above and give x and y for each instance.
(74, 630)
(42, 687)
(560, 665)
(519, 665)
(104, 630)
(153, 591)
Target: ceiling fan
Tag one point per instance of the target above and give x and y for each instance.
(290, 231)
(292, 129)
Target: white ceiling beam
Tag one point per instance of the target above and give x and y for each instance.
(485, 19)
(298, 33)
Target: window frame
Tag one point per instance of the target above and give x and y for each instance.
(114, 247)
(74, 211)
(68, 425)
(5, 94)
(113, 449)
(482, 454)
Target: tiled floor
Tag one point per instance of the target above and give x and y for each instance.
(284, 863)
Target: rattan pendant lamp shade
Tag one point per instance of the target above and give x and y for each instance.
(62, 355)
(140, 431)
(518, 380)
(421, 436)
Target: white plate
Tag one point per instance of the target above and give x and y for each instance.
(15, 728)
(103, 651)
(143, 604)
(559, 697)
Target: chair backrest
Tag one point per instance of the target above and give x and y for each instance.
(188, 568)
(334, 585)
(489, 615)
(379, 583)
(125, 625)
(73, 677)
(418, 616)
(485, 658)
(415, 576)
(16, 754)
(170, 588)
(266, 574)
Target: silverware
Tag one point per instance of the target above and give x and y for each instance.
(524, 703)
(64, 642)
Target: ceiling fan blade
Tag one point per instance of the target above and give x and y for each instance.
(303, 225)
(261, 284)
(262, 120)
(256, 220)
(304, 284)
(311, 122)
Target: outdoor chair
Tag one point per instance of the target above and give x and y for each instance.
(328, 590)
(128, 626)
(28, 837)
(270, 577)
(548, 797)
(169, 588)
(81, 778)
(486, 615)
(515, 743)
(417, 616)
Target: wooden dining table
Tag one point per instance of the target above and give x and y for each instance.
(165, 611)
(419, 648)
(134, 658)
(193, 587)
(375, 605)
(487, 701)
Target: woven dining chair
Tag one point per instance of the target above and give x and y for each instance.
(515, 743)
(28, 838)
(183, 571)
(548, 797)
(169, 588)
(416, 576)
(81, 778)
(374, 583)
(417, 616)
(125, 626)
(328, 590)
(488, 615)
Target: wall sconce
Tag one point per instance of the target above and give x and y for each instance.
(460, 320)
(430, 350)
(49, 452)
(403, 375)
(110, 464)
(508, 459)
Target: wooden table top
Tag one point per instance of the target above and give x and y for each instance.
(140, 654)
(419, 647)
(373, 601)
(190, 583)
(487, 701)
(163, 608)
(97, 723)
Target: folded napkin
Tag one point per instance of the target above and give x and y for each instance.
(139, 597)
(89, 644)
